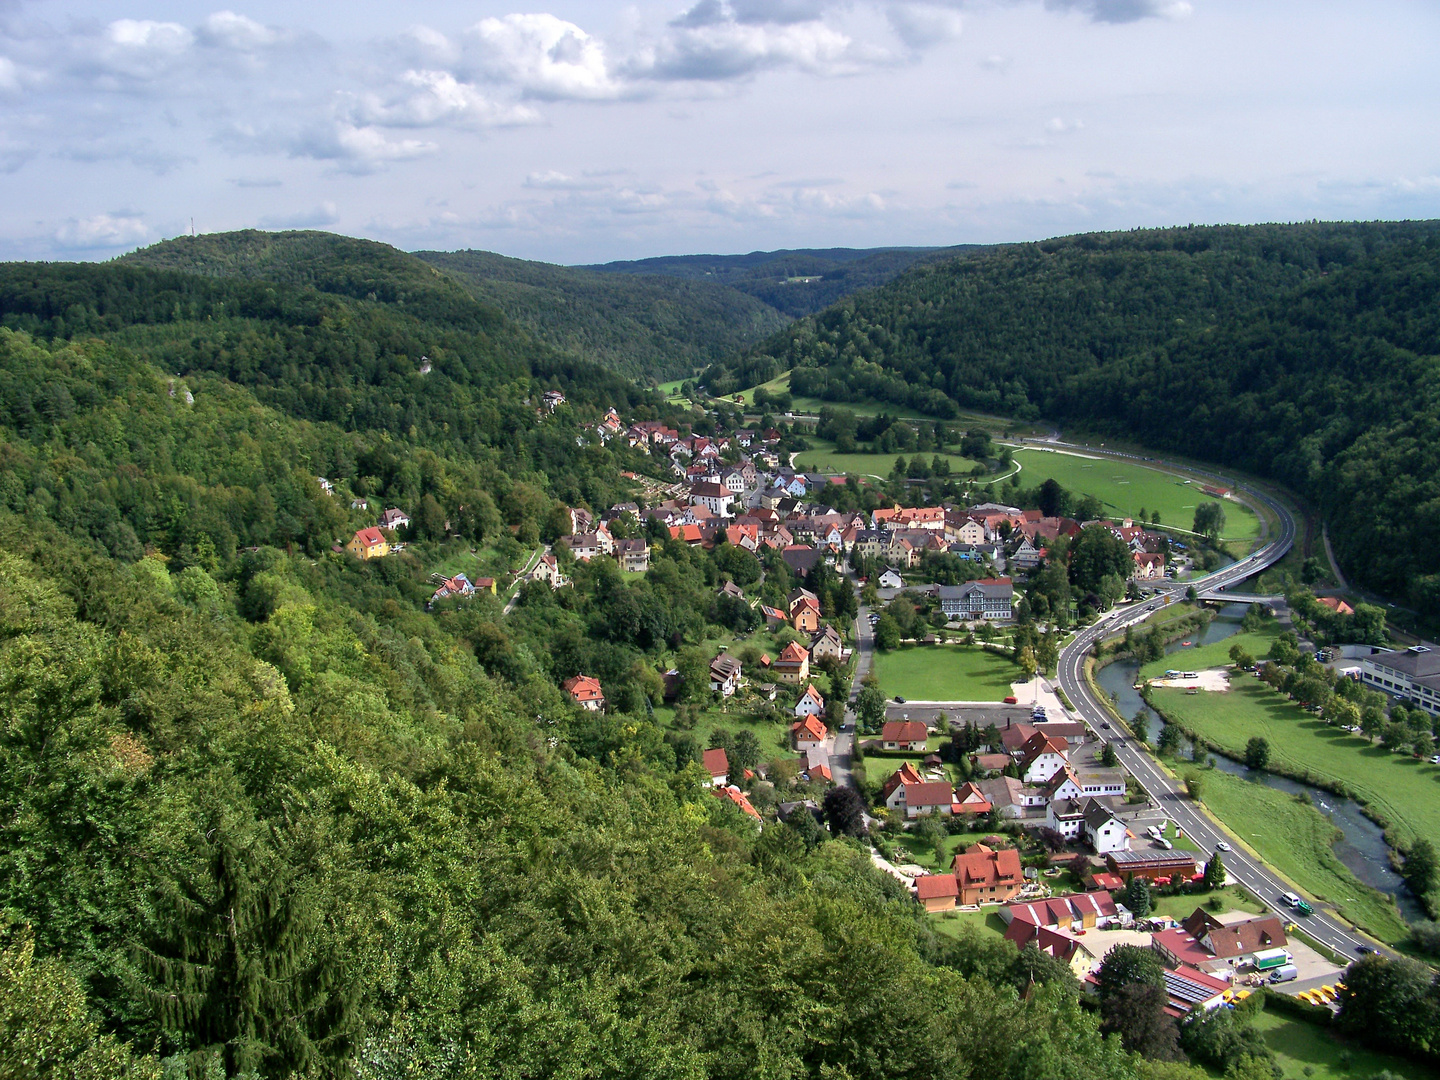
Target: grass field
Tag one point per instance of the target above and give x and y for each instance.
(950, 923)
(1295, 839)
(774, 737)
(946, 673)
(1313, 1052)
(1402, 789)
(1125, 488)
(1216, 654)
(822, 457)
(1232, 899)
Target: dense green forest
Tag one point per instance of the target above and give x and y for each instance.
(263, 815)
(1307, 353)
(795, 283)
(645, 326)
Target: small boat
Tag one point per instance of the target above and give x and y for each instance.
(1184, 644)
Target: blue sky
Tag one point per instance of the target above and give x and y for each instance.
(583, 132)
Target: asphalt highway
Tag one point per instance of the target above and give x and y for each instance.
(1167, 793)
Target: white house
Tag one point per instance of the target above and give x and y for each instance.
(810, 703)
(1102, 830)
(891, 579)
(714, 497)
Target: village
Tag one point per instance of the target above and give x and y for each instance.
(1036, 831)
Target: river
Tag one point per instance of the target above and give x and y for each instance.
(1362, 847)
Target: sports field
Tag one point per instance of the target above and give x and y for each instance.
(946, 673)
(822, 457)
(1295, 839)
(1125, 488)
(1403, 789)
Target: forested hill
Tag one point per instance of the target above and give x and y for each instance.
(1303, 352)
(263, 815)
(795, 282)
(647, 326)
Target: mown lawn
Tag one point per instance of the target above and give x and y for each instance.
(922, 852)
(1295, 839)
(1216, 654)
(1313, 1052)
(774, 737)
(946, 673)
(950, 923)
(1404, 790)
(1232, 898)
(1125, 488)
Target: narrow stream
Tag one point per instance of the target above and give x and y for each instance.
(1362, 847)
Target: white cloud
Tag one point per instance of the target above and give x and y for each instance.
(429, 98)
(922, 26)
(225, 29)
(103, 231)
(554, 180)
(1057, 125)
(731, 49)
(543, 56)
(136, 50)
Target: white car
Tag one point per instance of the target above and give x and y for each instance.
(1222, 846)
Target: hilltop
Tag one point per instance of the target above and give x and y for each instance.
(1301, 352)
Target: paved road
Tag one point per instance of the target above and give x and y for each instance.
(1160, 786)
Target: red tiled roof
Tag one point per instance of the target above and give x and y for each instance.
(904, 731)
(583, 688)
(936, 887)
(370, 537)
(716, 763)
(982, 866)
(810, 726)
(934, 793)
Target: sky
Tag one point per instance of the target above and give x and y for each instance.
(581, 132)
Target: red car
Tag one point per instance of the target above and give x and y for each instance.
(1012, 701)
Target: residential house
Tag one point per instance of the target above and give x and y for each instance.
(825, 644)
(1072, 951)
(359, 504)
(459, 585)
(1335, 604)
(1148, 567)
(717, 764)
(325, 485)
(792, 665)
(969, 799)
(987, 598)
(774, 617)
(1042, 757)
(971, 532)
(368, 544)
(738, 799)
(731, 589)
(815, 764)
(801, 558)
(1234, 942)
(890, 579)
(1069, 912)
(805, 616)
(810, 703)
(725, 674)
(634, 555)
(923, 797)
(1025, 557)
(987, 876)
(394, 520)
(808, 732)
(485, 584)
(581, 520)
(937, 892)
(548, 571)
(990, 762)
(585, 692)
(1102, 829)
(904, 735)
(1011, 798)
(552, 400)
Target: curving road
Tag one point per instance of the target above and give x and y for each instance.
(1159, 785)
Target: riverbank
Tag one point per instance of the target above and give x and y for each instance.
(1294, 838)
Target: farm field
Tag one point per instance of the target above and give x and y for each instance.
(1404, 790)
(946, 673)
(1126, 487)
(1315, 1052)
(1216, 654)
(822, 457)
(1295, 839)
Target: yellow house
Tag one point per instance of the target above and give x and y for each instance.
(368, 544)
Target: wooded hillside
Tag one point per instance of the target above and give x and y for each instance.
(1305, 352)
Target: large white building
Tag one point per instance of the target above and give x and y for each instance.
(1412, 673)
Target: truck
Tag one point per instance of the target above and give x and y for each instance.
(1284, 973)
(1270, 959)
